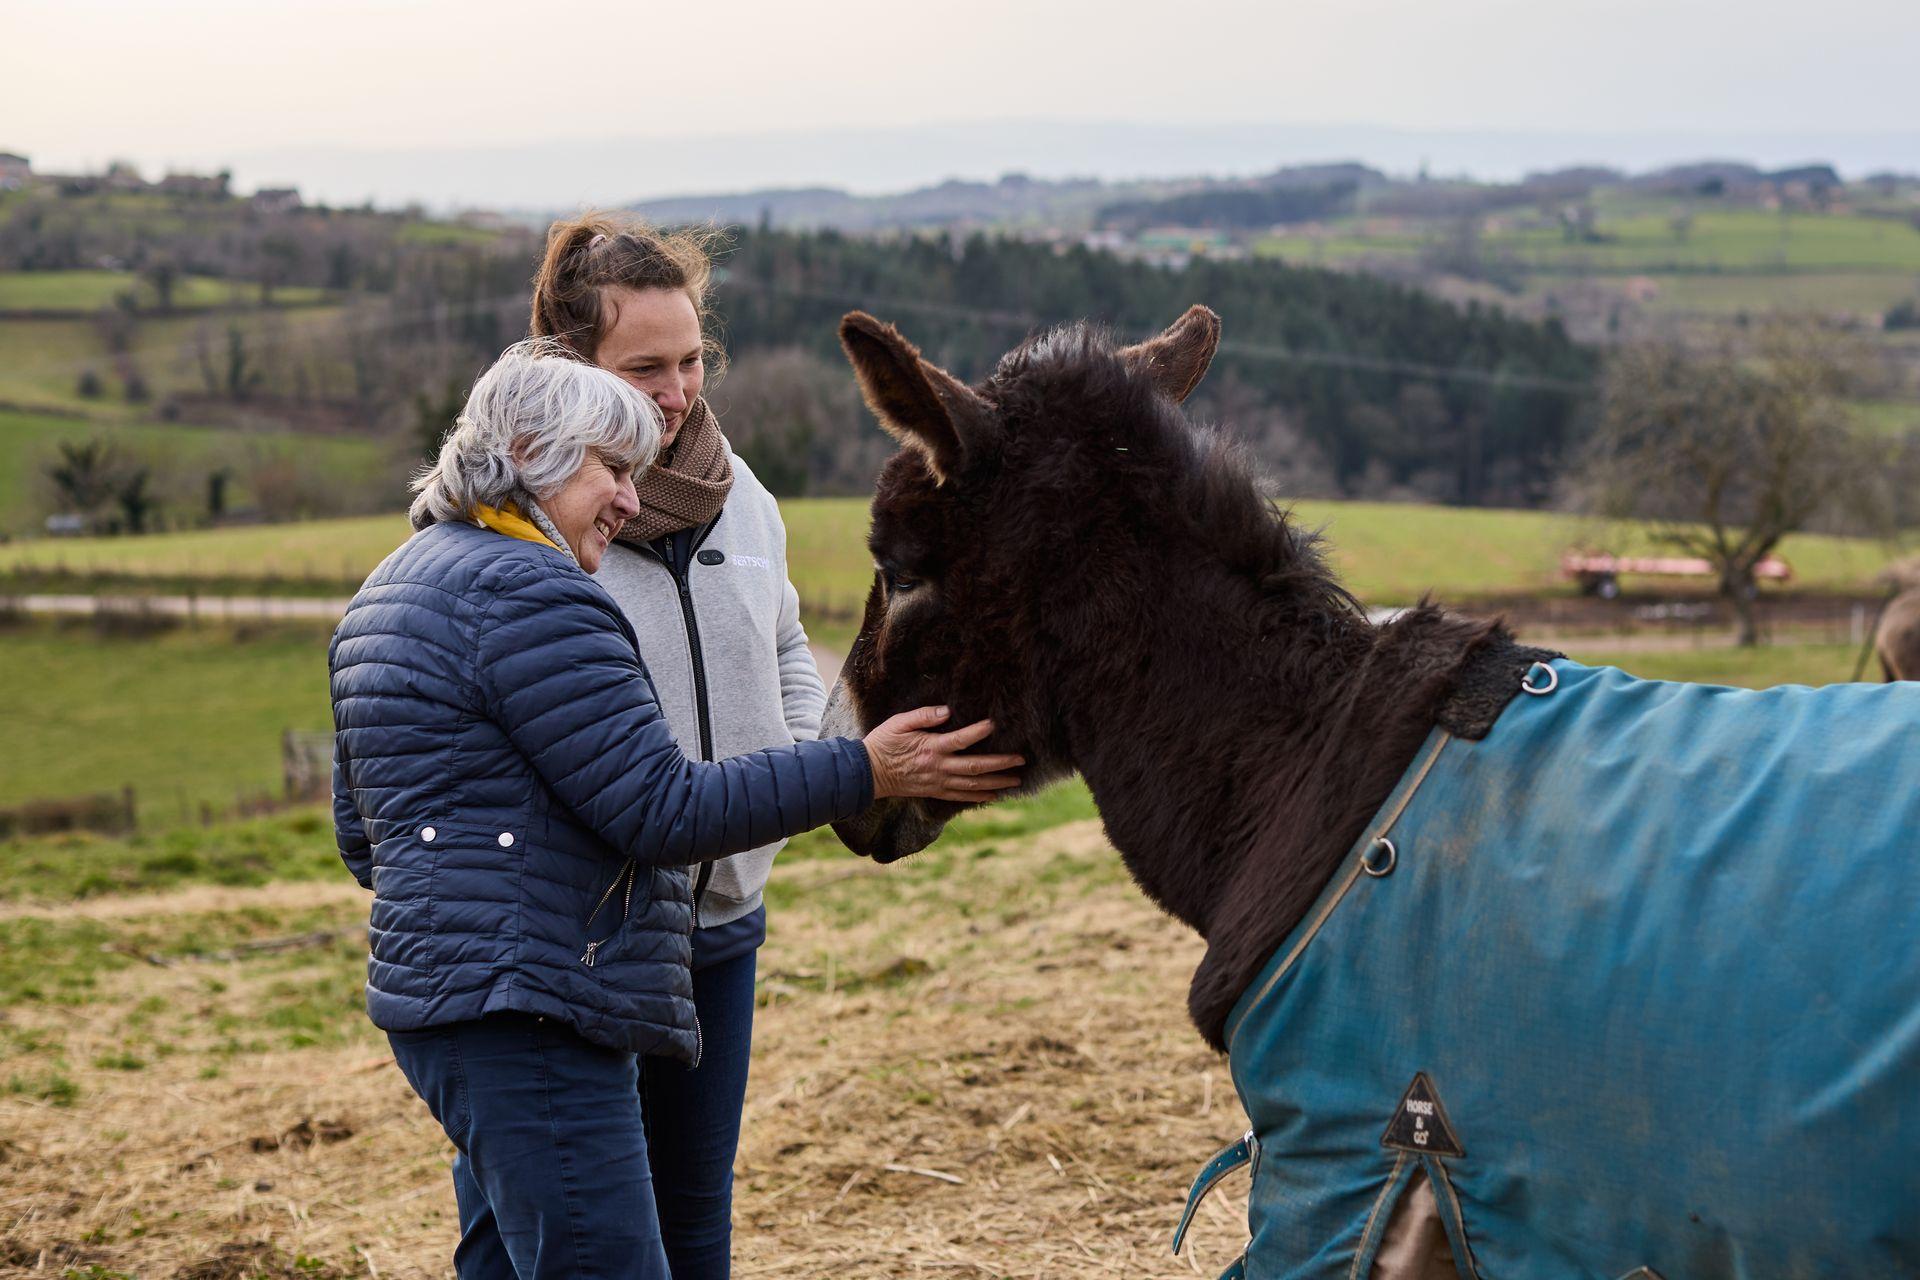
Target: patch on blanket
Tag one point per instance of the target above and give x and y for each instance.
(1420, 1123)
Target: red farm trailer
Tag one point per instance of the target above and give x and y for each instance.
(1599, 575)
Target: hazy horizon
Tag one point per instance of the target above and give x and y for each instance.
(462, 104)
(569, 173)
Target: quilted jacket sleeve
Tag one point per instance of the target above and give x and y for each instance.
(347, 831)
(556, 671)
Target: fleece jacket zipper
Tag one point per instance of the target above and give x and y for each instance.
(681, 573)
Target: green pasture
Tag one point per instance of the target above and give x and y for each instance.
(41, 360)
(1868, 293)
(185, 717)
(1640, 239)
(180, 458)
(194, 716)
(81, 292)
(1724, 240)
(1887, 417)
(339, 551)
(1389, 553)
(1392, 553)
(1758, 668)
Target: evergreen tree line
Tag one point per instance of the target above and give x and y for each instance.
(1342, 385)
(1234, 208)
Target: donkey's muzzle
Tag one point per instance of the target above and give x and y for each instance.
(889, 829)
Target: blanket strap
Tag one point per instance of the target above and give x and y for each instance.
(1230, 1157)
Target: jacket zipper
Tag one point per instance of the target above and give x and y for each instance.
(683, 584)
(627, 876)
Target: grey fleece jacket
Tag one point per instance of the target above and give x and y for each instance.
(761, 687)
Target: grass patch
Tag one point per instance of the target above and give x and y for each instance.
(1757, 668)
(43, 359)
(1637, 237)
(295, 846)
(180, 458)
(97, 1006)
(336, 551)
(189, 717)
(1388, 553)
(85, 291)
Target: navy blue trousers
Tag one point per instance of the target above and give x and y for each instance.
(550, 1171)
(574, 1160)
(693, 1120)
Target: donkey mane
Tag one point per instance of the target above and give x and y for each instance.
(1211, 484)
(1139, 611)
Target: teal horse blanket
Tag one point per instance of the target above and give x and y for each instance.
(1634, 982)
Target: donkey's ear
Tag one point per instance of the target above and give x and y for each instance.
(920, 404)
(1178, 358)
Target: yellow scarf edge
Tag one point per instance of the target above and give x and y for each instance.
(507, 519)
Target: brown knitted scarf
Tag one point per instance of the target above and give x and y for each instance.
(688, 485)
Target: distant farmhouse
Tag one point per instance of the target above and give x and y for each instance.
(276, 199)
(196, 186)
(120, 177)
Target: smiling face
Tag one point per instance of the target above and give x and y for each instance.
(590, 507)
(652, 339)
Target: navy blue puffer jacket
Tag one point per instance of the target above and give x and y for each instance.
(505, 784)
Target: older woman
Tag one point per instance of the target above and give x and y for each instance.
(506, 785)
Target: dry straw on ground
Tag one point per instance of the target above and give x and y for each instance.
(976, 1063)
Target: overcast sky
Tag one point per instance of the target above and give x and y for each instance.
(201, 82)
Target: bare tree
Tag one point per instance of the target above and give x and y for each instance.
(84, 475)
(162, 275)
(797, 421)
(1728, 452)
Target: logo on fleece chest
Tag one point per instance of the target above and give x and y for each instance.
(713, 557)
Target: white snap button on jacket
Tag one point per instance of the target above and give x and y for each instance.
(427, 834)
(506, 839)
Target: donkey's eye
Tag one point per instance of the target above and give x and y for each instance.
(898, 583)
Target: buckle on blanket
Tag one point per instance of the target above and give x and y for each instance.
(1225, 1161)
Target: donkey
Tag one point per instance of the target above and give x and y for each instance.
(1896, 641)
(1628, 1003)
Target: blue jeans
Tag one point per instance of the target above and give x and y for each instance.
(693, 1120)
(551, 1171)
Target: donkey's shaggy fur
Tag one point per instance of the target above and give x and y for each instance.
(1062, 551)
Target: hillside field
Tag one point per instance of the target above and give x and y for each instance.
(180, 456)
(1636, 239)
(193, 716)
(84, 291)
(1389, 553)
(41, 360)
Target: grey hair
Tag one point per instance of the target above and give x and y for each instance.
(528, 425)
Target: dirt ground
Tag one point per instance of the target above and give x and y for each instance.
(976, 1062)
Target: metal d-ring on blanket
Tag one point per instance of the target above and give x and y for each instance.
(1540, 690)
(1376, 866)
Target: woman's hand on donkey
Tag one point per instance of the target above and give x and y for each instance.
(909, 760)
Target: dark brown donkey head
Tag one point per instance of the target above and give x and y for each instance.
(1006, 505)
